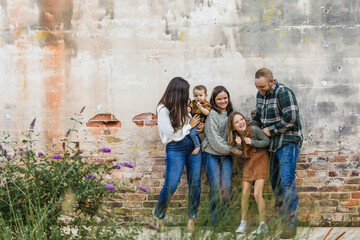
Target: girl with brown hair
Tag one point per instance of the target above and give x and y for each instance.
(217, 157)
(253, 142)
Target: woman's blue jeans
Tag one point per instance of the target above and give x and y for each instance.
(282, 175)
(219, 174)
(178, 154)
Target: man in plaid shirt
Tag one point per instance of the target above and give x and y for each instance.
(277, 113)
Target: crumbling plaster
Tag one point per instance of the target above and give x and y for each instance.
(118, 56)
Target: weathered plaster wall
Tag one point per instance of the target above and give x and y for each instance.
(118, 56)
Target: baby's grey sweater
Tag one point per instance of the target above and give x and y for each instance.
(215, 141)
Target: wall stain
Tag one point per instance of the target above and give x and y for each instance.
(343, 90)
(54, 85)
(269, 10)
(282, 33)
(181, 36)
(55, 17)
(55, 14)
(109, 7)
(41, 35)
(305, 40)
(254, 18)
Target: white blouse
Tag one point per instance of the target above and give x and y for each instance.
(165, 128)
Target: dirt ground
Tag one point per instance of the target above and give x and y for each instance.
(304, 233)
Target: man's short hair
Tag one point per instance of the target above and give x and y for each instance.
(200, 88)
(264, 72)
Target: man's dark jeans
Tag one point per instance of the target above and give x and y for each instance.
(282, 176)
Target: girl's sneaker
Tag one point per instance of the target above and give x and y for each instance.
(242, 227)
(262, 229)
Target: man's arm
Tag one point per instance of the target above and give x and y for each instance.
(290, 111)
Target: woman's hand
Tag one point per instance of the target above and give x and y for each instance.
(194, 121)
(201, 127)
(237, 152)
(247, 140)
(238, 140)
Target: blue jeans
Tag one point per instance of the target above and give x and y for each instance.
(282, 177)
(219, 174)
(194, 136)
(179, 154)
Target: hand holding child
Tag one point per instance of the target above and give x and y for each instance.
(194, 121)
(238, 152)
(267, 132)
(201, 127)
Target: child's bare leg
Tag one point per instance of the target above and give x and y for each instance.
(196, 151)
(258, 194)
(191, 225)
(160, 224)
(245, 199)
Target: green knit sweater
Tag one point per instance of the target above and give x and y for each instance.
(216, 134)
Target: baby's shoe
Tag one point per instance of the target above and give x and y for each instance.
(242, 227)
(262, 229)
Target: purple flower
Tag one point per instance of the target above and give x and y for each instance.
(8, 158)
(110, 187)
(105, 150)
(89, 176)
(142, 188)
(80, 156)
(68, 133)
(32, 124)
(116, 167)
(127, 165)
(154, 227)
(4, 152)
(40, 154)
(56, 156)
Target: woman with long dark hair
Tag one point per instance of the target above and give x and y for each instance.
(174, 124)
(217, 154)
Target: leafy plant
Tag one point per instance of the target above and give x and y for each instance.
(47, 195)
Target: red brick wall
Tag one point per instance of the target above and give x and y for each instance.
(329, 188)
(328, 182)
(328, 185)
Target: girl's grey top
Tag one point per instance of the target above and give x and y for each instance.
(260, 139)
(215, 141)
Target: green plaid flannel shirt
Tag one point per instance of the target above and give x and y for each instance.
(278, 110)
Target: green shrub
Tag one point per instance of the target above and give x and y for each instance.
(45, 196)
